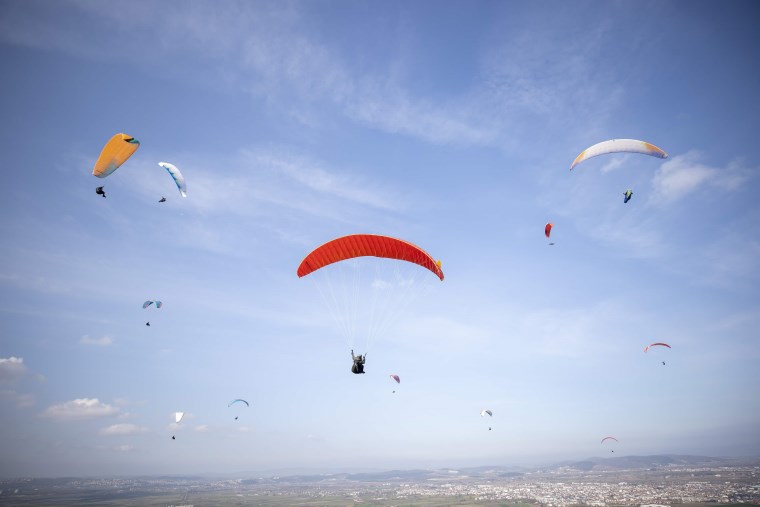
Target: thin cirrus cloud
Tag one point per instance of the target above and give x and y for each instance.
(79, 409)
(264, 50)
(123, 429)
(103, 341)
(684, 174)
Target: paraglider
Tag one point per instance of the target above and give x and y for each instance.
(609, 438)
(358, 366)
(483, 414)
(619, 146)
(177, 418)
(100, 191)
(146, 304)
(238, 401)
(395, 377)
(147, 323)
(628, 194)
(176, 176)
(548, 229)
(364, 286)
(658, 344)
(163, 199)
(116, 151)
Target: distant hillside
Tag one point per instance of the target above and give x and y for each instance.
(647, 462)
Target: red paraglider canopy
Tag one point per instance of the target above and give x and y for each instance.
(657, 344)
(367, 245)
(548, 229)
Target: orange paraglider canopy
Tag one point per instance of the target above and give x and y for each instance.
(116, 151)
(548, 229)
(367, 245)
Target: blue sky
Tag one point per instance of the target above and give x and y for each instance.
(448, 124)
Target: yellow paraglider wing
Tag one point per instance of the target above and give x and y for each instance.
(116, 151)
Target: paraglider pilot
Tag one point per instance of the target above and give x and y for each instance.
(100, 191)
(358, 366)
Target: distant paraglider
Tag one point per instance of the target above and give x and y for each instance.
(619, 146)
(628, 194)
(609, 438)
(116, 151)
(238, 401)
(177, 418)
(395, 377)
(163, 199)
(658, 344)
(548, 229)
(483, 413)
(146, 304)
(176, 176)
(100, 191)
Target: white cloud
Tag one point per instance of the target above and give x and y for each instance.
(103, 341)
(80, 408)
(11, 369)
(202, 428)
(123, 429)
(684, 174)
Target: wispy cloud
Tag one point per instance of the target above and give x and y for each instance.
(123, 429)
(684, 174)
(103, 341)
(79, 409)
(34, 283)
(11, 369)
(21, 400)
(270, 51)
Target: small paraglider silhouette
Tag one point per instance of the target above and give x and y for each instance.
(628, 194)
(147, 324)
(395, 377)
(489, 428)
(100, 191)
(163, 199)
(551, 244)
(173, 438)
(663, 363)
(236, 418)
